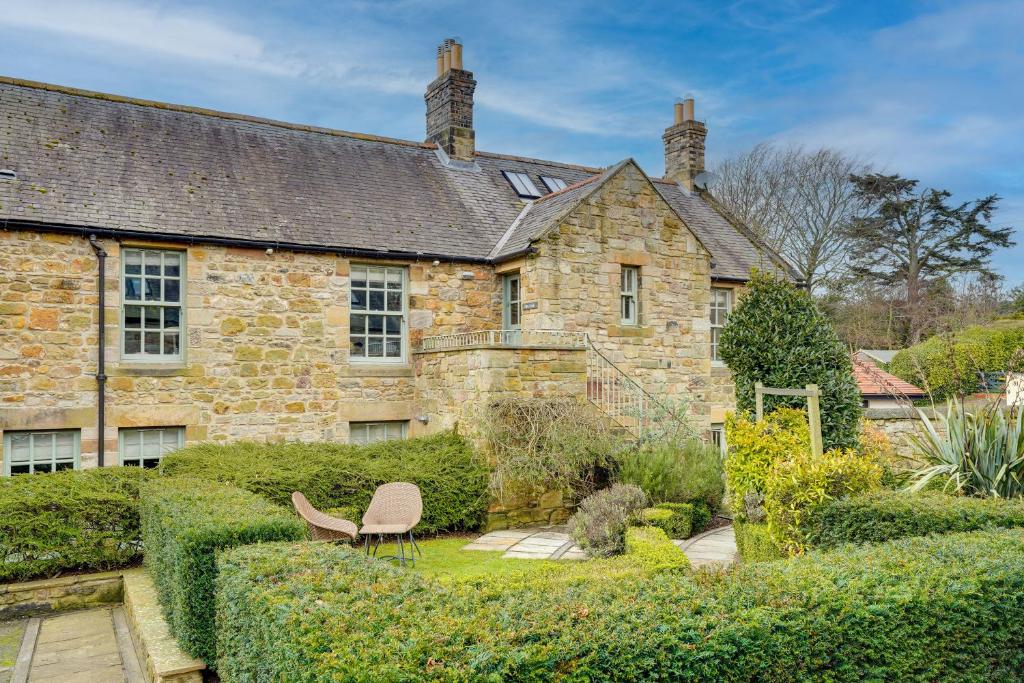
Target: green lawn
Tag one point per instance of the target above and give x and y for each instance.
(445, 557)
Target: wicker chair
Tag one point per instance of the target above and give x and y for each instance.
(394, 510)
(323, 527)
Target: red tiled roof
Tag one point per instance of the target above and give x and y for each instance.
(873, 381)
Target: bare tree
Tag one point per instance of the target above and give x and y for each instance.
(799, 201)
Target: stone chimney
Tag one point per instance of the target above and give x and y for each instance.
(684, 145)
(450, 104)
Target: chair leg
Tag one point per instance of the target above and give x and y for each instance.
(401, 550)
(414, 544)
(367, 537)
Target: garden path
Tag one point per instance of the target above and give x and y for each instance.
(712, 548)
(89, 646)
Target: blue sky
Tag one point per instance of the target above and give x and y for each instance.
(932, 90)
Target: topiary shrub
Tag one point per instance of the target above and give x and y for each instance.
(185, 523)
(947, 608)
(949, 366)
(599, 526)
(74, 520)
(676, 522)
(797, 487)
(884, 516)
(452, 478)
(778, 336)
(754, 448)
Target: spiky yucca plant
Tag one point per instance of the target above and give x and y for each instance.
(982, 453)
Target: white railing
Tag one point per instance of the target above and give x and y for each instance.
(461, 340)
(616, 394)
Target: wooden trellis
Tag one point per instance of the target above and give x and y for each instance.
(813, 396)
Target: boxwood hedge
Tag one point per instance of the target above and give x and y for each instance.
(68, 521)
(185, 523)
(887, 515)
(947, 608)
(452, 479)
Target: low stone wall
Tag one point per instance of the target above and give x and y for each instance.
(34, 598)
(529, 509)
(899, 424)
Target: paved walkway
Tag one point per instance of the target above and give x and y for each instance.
(712, 548)
(90, 646)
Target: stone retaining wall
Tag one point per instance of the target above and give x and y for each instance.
(33, 598)
(899, 424)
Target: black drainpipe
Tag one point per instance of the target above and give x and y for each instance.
(101, 361)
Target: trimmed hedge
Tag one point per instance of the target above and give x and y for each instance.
(69, 521)
(754, 542)
(679, 520)
(948, 608)
(452, 479)
(951, 366)
(884, 516)
(185, 523)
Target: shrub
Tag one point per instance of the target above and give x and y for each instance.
(548, 444)
(755, 447)
(952, 366)
(947, 608)
(676, 473)
(755, 544)
(980, 453)
(185, 522)
(84, 520)
(777, 335)
(452, 479)
(599, 526)
(884, 516)
(796, 488)
(676, 521)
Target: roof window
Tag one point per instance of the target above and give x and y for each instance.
(524, 187)
(8, 174)
(554, 184)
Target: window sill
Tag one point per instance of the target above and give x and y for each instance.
(360, 369)
(719, 369)
(129, 369)
(642, 331)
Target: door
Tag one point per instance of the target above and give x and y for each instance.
(512, 310)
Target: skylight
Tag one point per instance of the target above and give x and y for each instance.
(554, 184)
(524, 187)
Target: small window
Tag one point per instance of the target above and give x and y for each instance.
(553, 184)
(362, 433)
(721, 306)
(146, 447)
(42, 451)
(522, 183)
(152, 292)
(629, 295)
(377, 320)
(718, 437)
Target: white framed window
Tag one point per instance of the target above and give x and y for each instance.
(522, 184)
(721, 306)
(377, 325)
(718, 437)
(362, 433)
(629, 295)
(553, 184)
(152, 314)
(145, 447)
(30, 452)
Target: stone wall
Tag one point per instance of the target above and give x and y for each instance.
(33, 598)
(266, 352)
(573, 283)
(899, 424)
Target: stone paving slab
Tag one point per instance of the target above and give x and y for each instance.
(80, 646)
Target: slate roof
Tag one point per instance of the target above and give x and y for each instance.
(118, 164)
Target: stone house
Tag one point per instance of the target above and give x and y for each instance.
(171, 275)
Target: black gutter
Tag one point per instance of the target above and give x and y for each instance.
(101, 360)
(86, 231)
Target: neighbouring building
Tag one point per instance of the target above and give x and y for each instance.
(880, 389)
(254, 279)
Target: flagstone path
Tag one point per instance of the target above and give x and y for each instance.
(712, 548)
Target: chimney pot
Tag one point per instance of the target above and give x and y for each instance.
(678, 113)
(456, 55)
(447, 58)
(688, 109)
(440, 61)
